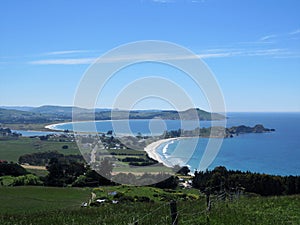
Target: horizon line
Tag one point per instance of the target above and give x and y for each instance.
(109, 108)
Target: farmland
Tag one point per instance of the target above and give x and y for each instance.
(41, 205)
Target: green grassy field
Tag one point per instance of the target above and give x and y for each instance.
(41, 205)
(28, 200)
(11, 150)
(31, 126)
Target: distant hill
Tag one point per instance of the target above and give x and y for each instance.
(21, 108)
(18, 116)
(48, 114)
(56, 110)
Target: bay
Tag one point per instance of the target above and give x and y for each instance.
(273, 153)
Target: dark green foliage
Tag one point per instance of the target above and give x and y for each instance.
(133, 159)
(167, 181)
(142, 199)
(245, 129)
(11, 169)
(124, 178)
(262, 184)
(63, 172)
(141, 164)
(105, 168)
(91, 179)
(184, 171)
(217, 131)
(42, 158)
(44, 137)
(100, 176)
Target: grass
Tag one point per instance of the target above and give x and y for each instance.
(154, 194)
(140, 170)
(41, 205)
(30, 200)
(11, 150)
(29, 126)
(37, 172)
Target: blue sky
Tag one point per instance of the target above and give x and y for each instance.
(252, 46)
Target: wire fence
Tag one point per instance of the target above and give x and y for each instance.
(178, 216)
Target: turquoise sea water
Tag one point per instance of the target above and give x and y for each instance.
(273, 153)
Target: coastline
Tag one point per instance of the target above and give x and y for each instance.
(52, 126)
(151, 150)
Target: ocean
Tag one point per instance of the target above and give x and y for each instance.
(275, 153)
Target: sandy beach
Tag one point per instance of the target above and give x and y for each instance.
(151, 150)
(53, 126)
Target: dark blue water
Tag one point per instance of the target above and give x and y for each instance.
(125, 127)
(273, 153)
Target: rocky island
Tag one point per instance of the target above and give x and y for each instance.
(217, 132)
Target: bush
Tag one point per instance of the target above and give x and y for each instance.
(126, 199)
(142, 199)
(11, 169)
(28, 179)
(80, 181)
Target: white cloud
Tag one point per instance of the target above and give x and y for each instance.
(271, 52)
(295, 32)
(79, 61)
(174, 1)
(268, 37)
(124, 58)
(66, 52)
(208, 53)
(216, 55)
(163, 1)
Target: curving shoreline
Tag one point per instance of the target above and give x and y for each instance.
(52, 126)
(151, 150)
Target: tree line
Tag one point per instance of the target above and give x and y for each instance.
(262, 184)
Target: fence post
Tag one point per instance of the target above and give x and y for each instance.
(208, 203)
(174, 213)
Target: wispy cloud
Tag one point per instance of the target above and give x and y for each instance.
(272, 52)
(174, 1)
(67, 52)
(163, 1)
(77, 61)
(295, 32)
(268, 37)
(208, 53)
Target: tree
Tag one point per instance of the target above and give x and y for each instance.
(184, 171)
(176, 168)
(105, 168)
(12, 169)
(62, 172)
(181, 170)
